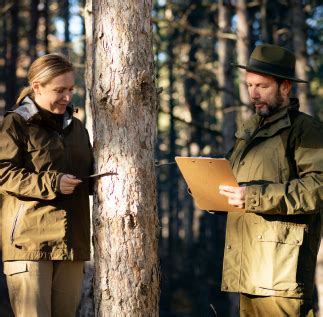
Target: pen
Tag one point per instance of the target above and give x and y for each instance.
(99, 175)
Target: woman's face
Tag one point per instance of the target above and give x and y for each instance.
(56, 94)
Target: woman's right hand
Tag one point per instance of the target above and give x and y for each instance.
(68, 183)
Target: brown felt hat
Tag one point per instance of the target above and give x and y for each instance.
(272, 60)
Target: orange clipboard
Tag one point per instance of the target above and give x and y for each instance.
(203, 176)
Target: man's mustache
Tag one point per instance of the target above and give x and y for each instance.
(258, 101)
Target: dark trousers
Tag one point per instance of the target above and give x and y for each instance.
(263, 306)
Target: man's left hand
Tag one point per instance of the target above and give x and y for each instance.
(236, 195)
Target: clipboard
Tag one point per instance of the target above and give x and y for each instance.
(203, 176)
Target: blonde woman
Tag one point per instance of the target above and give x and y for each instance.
(44, 153)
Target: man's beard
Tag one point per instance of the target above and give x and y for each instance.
(272, 106)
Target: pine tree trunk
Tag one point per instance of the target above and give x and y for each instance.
(299, 39)
(173, 221)
(66, 48)
(225, 78)
(86, 308)
(267, 27)
(34, 19)
(3, 53)
(126, 278)
(243, 51)
(88, 45)
(319, 280)
(47, 25)
(12, 56)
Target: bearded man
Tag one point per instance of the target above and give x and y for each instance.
(271, 245)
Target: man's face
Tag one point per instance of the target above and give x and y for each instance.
(265, 93)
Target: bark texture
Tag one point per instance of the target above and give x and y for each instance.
(126, 278)
(299, 41)
(243, 51)
(87, 15)
(86, 308)
(225, 76)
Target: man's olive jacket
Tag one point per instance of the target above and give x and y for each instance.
(40, 223)
(271, 249)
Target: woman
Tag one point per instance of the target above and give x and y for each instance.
(44, 153)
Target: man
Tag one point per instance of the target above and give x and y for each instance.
(271, 246)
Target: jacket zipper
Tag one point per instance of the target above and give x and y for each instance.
(15, 222)
(61, 138)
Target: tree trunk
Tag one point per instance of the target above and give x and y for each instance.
(47, 26)
(267, 27)
(5, 307)
(86, 308)
(192, 91)
(66, 18)
(88, 59)
(319, 280)
(11, 57)
(299, 39)
(225, 78)
(243, 52)
(172, 183)
(125, 224)
(34, 19)
(3, 53)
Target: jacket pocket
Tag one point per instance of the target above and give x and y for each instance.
(14, 267)
(15, 223)
(276, 259)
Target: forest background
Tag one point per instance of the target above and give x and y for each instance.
(202, 101)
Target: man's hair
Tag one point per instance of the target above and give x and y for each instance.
(279, 80)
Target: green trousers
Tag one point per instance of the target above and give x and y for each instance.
(44, 288)
(263, 306)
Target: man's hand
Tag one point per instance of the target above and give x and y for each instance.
(68, 183)
(236, 195)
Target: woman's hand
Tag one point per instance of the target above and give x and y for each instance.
(68, 183)
(236, 195)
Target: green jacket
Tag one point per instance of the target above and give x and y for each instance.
(271, 249)
(38, 222)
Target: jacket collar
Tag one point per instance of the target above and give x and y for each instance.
(270, 125)
(30, 112)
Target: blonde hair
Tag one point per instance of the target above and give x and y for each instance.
(43, 70)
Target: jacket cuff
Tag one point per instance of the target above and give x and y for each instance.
(56, 183)
(252, 198)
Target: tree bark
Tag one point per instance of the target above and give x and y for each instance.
(3, 54)
(86, 308)
(192, 91)
(299, 41)
(126, 279)
(34, 19)
(88, 59)
(267, 28)
(172, 135)
(12, 56)
(225, 79)
(66, 18)
(47, 26)
(243, 52)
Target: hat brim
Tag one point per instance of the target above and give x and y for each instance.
(261, 71)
